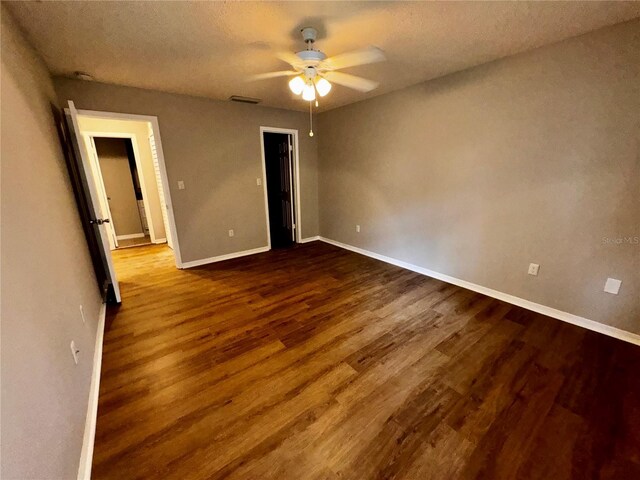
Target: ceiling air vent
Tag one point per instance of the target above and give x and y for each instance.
(238, 98)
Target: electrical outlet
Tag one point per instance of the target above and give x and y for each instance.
(358, 228)
(612, 285)
(82, 314)
(258, 181)
(180, 184)
(75, 352)
(533, 269)
(231, 233)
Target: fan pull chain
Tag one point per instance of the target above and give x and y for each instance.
(310, 120)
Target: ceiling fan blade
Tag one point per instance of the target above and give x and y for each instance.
(351, 81)
(351, 59)
(290, 58)
(264, 76)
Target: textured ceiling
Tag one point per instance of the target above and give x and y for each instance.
(209, 48)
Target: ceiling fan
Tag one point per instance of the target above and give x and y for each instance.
(313, 72)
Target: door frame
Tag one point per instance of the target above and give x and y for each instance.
(143, 185)
(296, 180)
(164, 178)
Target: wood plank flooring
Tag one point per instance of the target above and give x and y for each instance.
(318, 363)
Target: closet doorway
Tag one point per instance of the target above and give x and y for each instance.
(280, 167)
(121, 195)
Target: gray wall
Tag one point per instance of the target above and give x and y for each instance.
(214, 147)
(118, 183)
(533, 158)
(46, 275)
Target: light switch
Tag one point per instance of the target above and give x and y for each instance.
(180, 185)
(612, 285)
(533, 269)
(358, 228)
(258, 181)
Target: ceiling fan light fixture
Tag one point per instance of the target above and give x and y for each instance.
(296, 84)
(309, 92)
(323, 87)
(309, 68)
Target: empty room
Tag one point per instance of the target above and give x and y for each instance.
(320, 240)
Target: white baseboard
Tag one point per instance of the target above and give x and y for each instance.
(505, 297)
(220, 258)
(160, 240)
(86, 456)
(129, 236)
(310, 239)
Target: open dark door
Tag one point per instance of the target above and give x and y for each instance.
(83, 203)
(83, 186)
(278, 165)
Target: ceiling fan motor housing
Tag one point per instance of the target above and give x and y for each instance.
(311, 58)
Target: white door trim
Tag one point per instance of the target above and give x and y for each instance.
(163, 168)
(156, 170)
(296, 174)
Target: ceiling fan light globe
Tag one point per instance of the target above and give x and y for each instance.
(323, 87)
(309, 92)
(296, 84)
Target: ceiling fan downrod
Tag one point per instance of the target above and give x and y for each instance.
(309, 35)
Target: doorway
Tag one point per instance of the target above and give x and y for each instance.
(120, 191)
(78, 134)
(147, 175)
(281, 185)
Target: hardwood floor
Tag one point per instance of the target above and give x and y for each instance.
(317, 363)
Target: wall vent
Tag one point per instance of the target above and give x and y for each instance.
(238, 98)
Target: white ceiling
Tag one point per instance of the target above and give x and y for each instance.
(209, 48)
